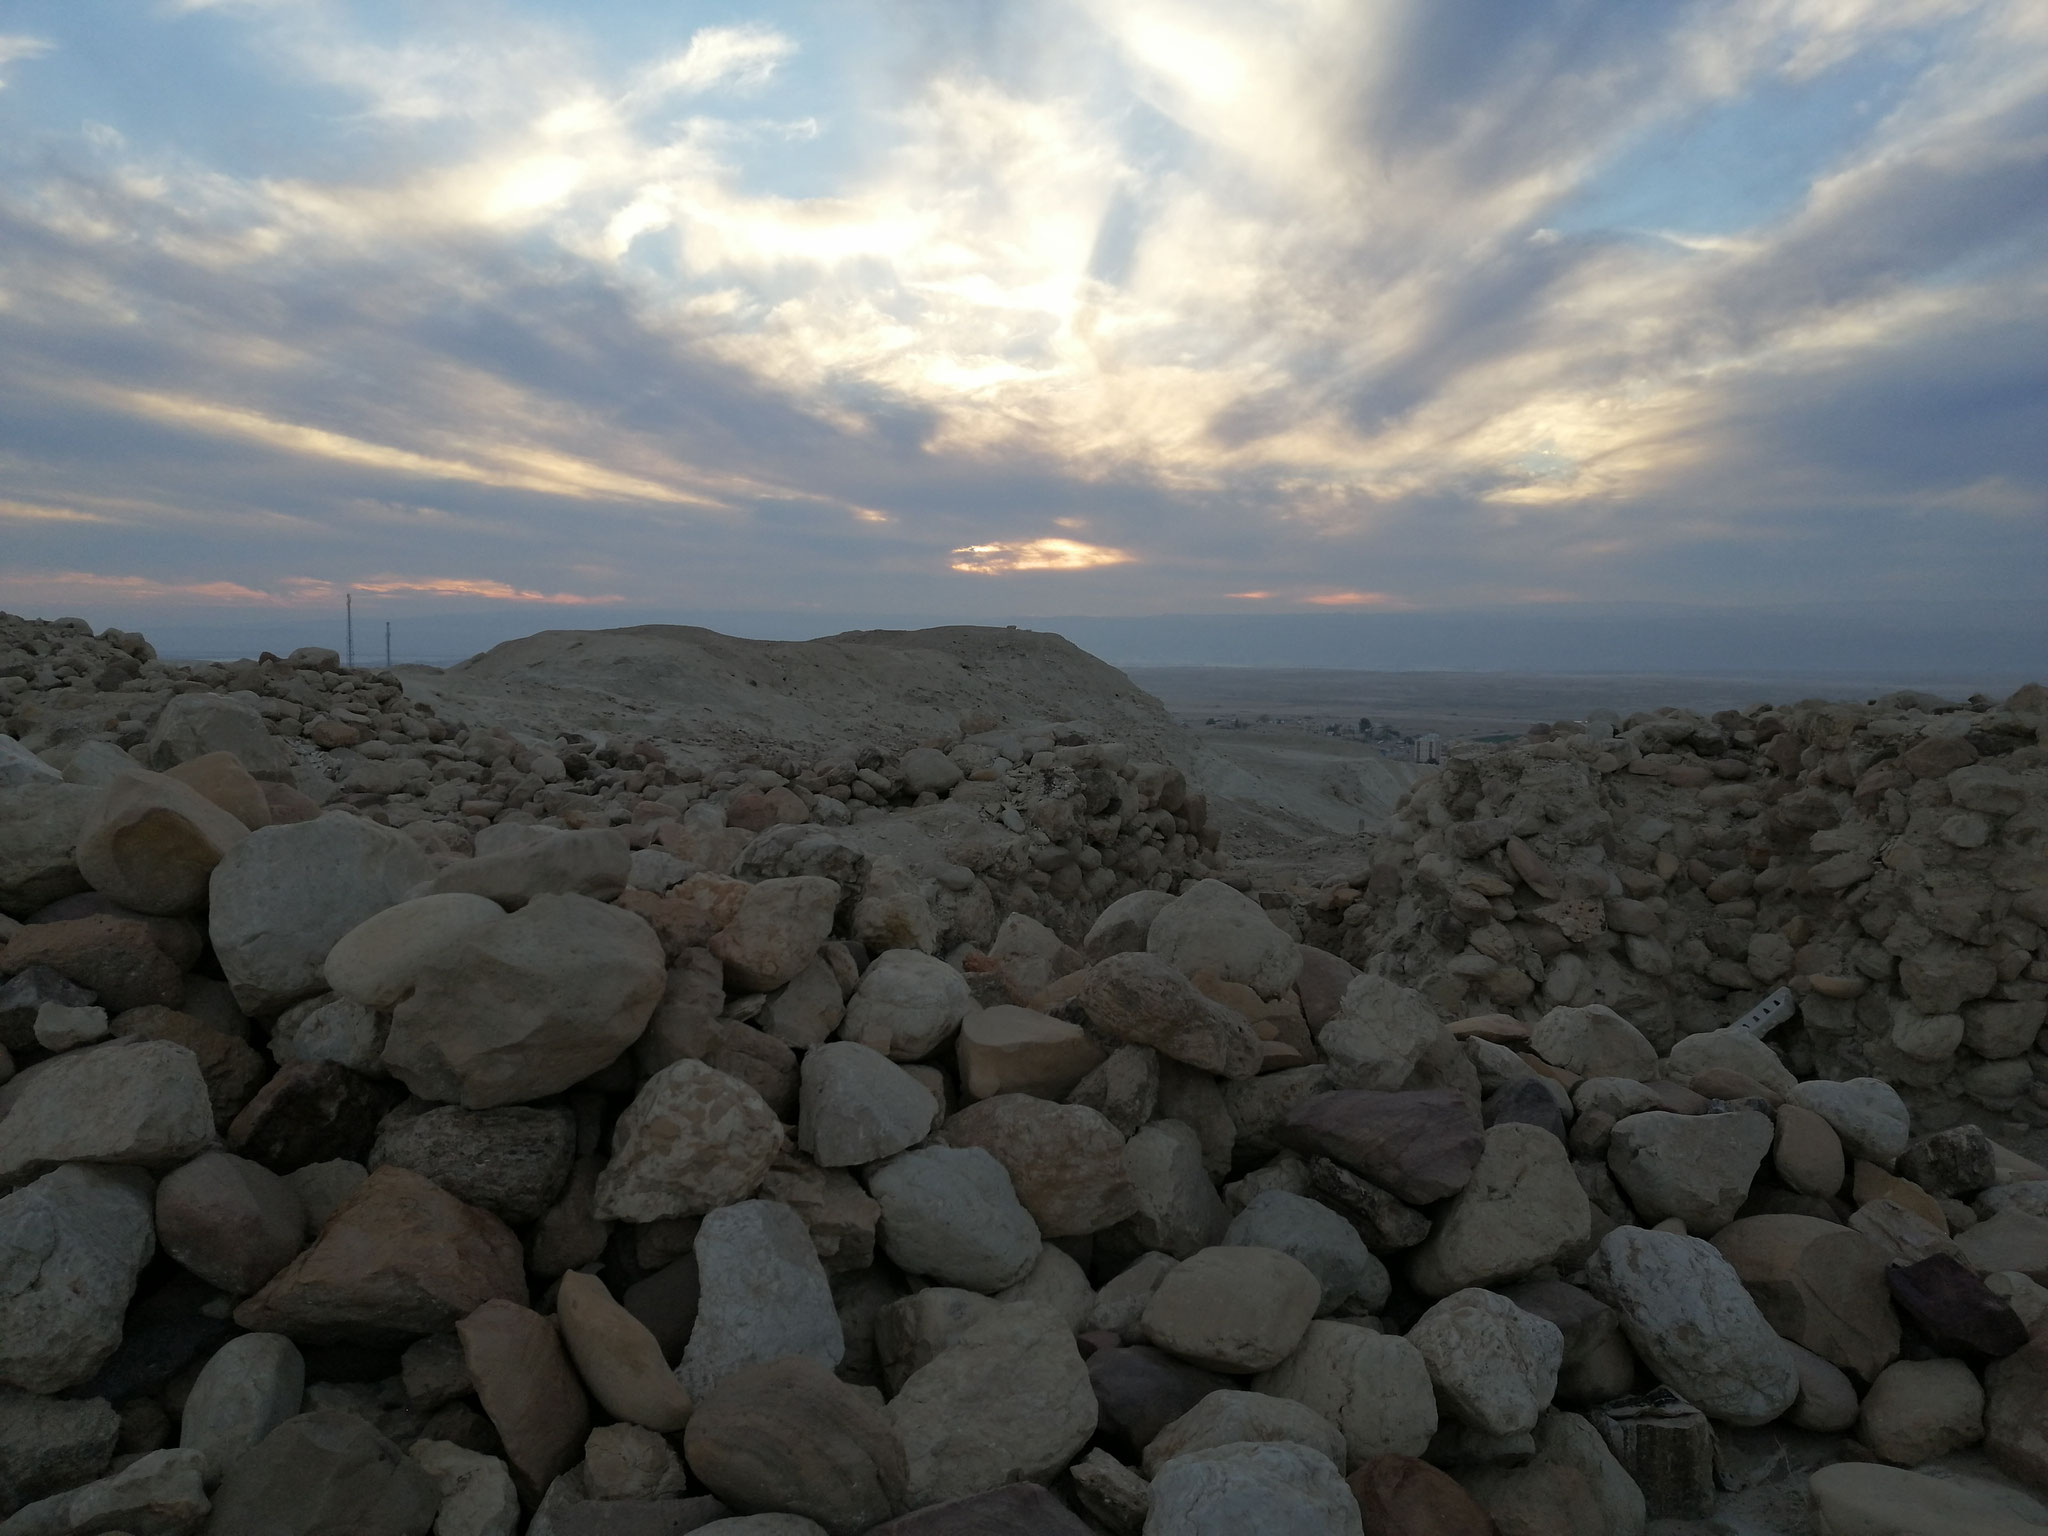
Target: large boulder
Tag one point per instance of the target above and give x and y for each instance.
(1819, 1284)
(1860, 1498)
(1917, 1410)
(401, 1257)
(377, 962)
(594, 863)
(952, 1215)
(1522, 1209)
(1324, 1241)
(2016, 1413)
(252, 1384)
(778, 929)
(1419, 1147)
(1379, 1034)
(1594, 1042)
(1494, 1365)
(272, 925)
(195, 725)
(139, 1102)
(233, 1223)
(858, 1106)
(512, 1162)
(1695, 1167)
(51, 1443)
(40, 825)
(71, 1246)
(787, 1435)
(527, 1006)
(1215, 928)
(1006, 1049)
(618, 1357)
(1866, 1112)
(1144, 1000)
(322, 1472)
(161, 1493)
(1269, 1488)
(1236, 1310)
(1178, 1209)
(762, 1295)
(907, 1005)
(1125, 924)
(1230, 1418)
(693, 1139)
(152, 844)
(116, 959)
(1685, 1310)
(528, 1388)
(1009, 1400)
(1065, 1160)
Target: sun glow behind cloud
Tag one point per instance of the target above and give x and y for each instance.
(1035, 555)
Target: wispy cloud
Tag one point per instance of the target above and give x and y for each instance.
(743, 58)
(15, 46)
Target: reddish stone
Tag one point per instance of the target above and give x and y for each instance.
(116, 957)
(288, 805)
(311, 1112)
(1404, 1496)
(753, 811)
(1956, 1312)
(400, 1258)
(179, 937)
(528, 1387)
(1421, 1147)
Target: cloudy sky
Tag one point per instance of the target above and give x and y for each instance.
(956, 307)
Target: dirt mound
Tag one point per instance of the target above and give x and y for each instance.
(717, 695)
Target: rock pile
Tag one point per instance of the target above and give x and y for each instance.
(355, 1179)
(1042, 818)
(1887, 862)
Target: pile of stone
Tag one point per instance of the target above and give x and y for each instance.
(1034, 817)
(568, 1182)
(1888, 862)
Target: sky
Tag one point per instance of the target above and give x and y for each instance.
(556, 315)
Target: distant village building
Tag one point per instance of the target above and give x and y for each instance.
(1426, 748)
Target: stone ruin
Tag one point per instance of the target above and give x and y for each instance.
(407, 1126)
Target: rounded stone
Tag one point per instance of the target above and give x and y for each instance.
(789, 1436)
(1233, 1309)
(233, 1223)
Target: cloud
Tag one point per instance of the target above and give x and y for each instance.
(744, 58)
(1305, 299)
(1036, 555)
(289, 592)
(15, 46)
(1356, 600)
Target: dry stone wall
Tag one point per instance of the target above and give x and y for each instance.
(1887, 862)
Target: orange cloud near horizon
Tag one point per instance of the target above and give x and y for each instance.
(291, 592)
(1358, 600)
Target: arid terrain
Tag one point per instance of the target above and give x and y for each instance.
(1292, 804)
(1468, 704)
